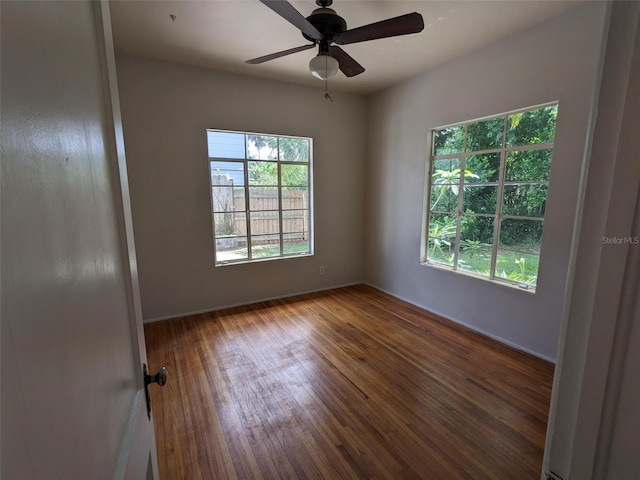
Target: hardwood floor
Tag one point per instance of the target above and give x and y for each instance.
(345, 384)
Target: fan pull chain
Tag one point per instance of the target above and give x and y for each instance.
(326, 94)
(326, 91)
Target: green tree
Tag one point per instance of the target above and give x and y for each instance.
(266, 149)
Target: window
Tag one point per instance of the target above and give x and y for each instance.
(487, 194)
(260, 196)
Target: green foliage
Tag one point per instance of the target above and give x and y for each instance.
(485, 135)
(522, 273)
(474, 247)
(528, 166)
(443, 180)
(266, 149)
(486, 166)
(477, 229)
(263, 173)
(526, 174)
(294, 149)
(528, 200)
(523, 235)
(525, 188)
(532, 126)
(442, 234)
(448, 140)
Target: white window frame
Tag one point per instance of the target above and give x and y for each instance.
(498, 216)
(245, 168)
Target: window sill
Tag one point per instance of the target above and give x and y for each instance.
(523, 287)
(261, 260)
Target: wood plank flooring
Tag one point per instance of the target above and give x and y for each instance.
(344, 384)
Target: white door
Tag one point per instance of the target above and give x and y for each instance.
(73, 403)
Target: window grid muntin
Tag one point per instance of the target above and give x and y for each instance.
(498, 217)
(247, 199)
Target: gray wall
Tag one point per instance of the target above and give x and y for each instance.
(166, 110)
(69, 379)
(557, 60)
(594, 424)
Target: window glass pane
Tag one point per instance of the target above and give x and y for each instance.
(485, 135)
(474, 258)
(295, 198)
(442, 225)
(446, 164)
(263, 173)
(263, 198)
(477, 229)
(225, 144)
(295, 221)
(444, 198)
(294, 175)
(529, 166)
(296, 243)
(264, 246)
(231, 249)
(294, 149)
(448, 140)
(442, 233)
(262, 147)
(476, 239)
(533, 126)
(480, 199)
(446, 172)
(227, 173)
(227, 199)
(528, 200)
(517, 266)
(230, 223)
(441, 250)
(521, 235)
(482, 168)
(264, 223)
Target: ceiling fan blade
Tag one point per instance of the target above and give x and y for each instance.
(348, 65)
(392, 27)
(273, 56)
(293, 16)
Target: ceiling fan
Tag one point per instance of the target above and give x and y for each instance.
(325, 27)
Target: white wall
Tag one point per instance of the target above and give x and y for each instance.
(166, 110)
(557, 60)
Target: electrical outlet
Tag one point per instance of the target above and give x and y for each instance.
(322, 270)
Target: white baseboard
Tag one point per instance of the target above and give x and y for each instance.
(440, 314)
(243, 304)
(470, 327)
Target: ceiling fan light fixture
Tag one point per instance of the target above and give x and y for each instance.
(323, 66)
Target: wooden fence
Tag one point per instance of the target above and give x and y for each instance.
(229, 207)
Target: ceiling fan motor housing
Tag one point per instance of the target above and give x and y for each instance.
(325, 27)
(327, 22)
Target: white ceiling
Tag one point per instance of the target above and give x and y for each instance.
(222, 34)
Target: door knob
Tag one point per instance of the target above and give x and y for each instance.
(160, 377)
